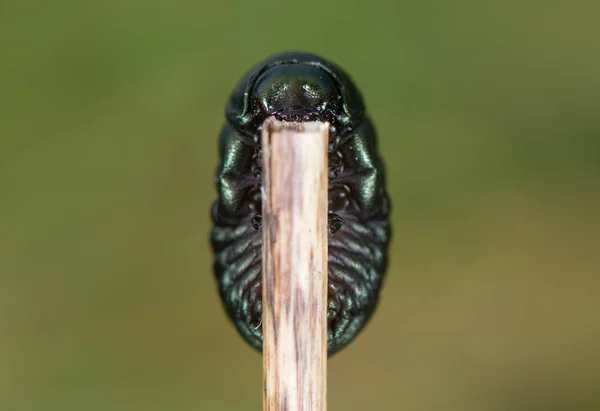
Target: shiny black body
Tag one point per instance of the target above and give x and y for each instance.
(302, 87)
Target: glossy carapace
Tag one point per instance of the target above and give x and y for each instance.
(296, 86)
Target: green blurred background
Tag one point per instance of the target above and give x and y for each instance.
(489, 122)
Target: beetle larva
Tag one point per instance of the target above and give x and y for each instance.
(296, 86)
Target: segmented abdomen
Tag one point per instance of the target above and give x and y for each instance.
(357, 244)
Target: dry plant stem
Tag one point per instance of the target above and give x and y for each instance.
(294, 265)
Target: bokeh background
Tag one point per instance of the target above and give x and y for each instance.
(489, 122)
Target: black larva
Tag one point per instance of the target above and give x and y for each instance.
(302, 87)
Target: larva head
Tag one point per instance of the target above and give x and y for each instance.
(294, 87)
(295, 92)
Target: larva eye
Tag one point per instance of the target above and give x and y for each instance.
(301, 87)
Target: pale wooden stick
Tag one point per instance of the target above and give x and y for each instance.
(294, 265)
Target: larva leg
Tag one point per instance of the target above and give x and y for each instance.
(358, 243)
